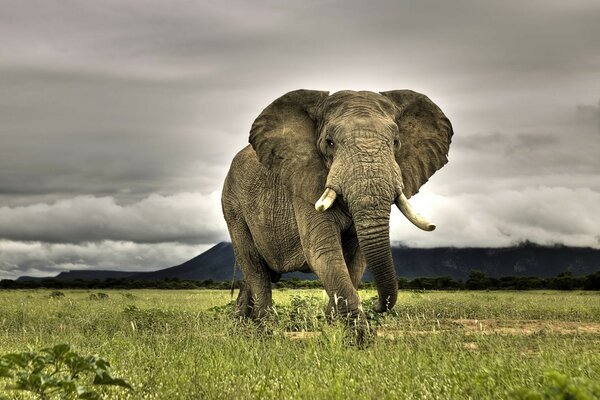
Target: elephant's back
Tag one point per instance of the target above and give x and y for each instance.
(244, 174)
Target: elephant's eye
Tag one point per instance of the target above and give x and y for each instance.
(396, 143)
(329, 142)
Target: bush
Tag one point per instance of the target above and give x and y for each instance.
(477, 281)
(56, 294)
(555, 385)
(305, 313)
(58, 370)
(592, 281)
(152, 319)
(98, 296)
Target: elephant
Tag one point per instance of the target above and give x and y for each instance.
(313, 191)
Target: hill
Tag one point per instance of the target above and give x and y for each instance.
(526, 259)
(83, 274)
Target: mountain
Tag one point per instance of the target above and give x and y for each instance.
(82, 274)
(526, 259)
(214, 264)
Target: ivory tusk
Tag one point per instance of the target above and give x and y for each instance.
(420, 222)
(326, 200)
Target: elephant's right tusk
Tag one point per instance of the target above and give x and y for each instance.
(326, 200)
(420, 222)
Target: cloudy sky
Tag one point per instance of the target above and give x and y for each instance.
(118, 119)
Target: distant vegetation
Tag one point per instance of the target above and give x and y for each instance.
(477, 280)
(523, 260)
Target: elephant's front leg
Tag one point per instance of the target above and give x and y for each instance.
(354, 261)
(321, 242)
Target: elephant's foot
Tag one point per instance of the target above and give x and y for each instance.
(244, 303)
(358, 330)
(252, 306)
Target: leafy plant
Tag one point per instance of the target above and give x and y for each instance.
(57, 370)
(225, 309)
(98, 296)
(151, 319)
(375, 318)
(305, 313)
(555, 385)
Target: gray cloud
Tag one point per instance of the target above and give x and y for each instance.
(105, 108)
(44, 259)
(543, 214)
(562, 154)
(185, 217)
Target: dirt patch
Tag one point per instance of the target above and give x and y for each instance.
(300, 335)
(483, 327)
(526, 327)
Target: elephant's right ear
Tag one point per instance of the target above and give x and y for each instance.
(284, 137)
(425, 136)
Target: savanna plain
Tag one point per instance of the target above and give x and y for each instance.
(185, 344)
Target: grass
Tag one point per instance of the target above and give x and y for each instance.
(184, 345)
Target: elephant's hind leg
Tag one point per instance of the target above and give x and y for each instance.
(255, 298)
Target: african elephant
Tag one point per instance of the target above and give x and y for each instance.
(313, 190)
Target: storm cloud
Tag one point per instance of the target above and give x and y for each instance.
(118, 119)
(42, 259)
(184, 217)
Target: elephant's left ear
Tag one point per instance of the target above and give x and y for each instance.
(284, 138)
(425, 135)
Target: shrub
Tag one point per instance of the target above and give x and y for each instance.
(56, 294)
(305, 313)
(152, 319)
(98, 296)
(555, 385)
(57, 370)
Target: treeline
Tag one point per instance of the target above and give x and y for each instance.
(480, 281)
(477, 281)
(115, 283)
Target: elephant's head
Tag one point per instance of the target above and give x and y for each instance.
(368, 149)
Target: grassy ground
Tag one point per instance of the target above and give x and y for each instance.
(183, 345)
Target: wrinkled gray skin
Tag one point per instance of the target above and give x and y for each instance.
(366, 146)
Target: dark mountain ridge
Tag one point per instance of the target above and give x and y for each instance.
(526, 259)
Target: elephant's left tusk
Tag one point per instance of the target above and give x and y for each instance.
(420, 222)
(326, 200)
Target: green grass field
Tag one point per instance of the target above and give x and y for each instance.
(435, 345)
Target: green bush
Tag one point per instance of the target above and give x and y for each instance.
(56, 294)
(98, 296)
(152, 319)
(57, 371)
(555, 385)
(305, 313)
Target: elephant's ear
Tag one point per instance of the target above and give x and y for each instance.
(285, 140)
(425, 135)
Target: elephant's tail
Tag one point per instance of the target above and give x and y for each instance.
(233, 277)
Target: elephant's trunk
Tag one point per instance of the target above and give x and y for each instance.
(373, 233)
(369, 203)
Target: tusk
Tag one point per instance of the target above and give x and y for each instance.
(326, 200)
(420, 222)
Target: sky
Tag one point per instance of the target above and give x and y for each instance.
(119, 119)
